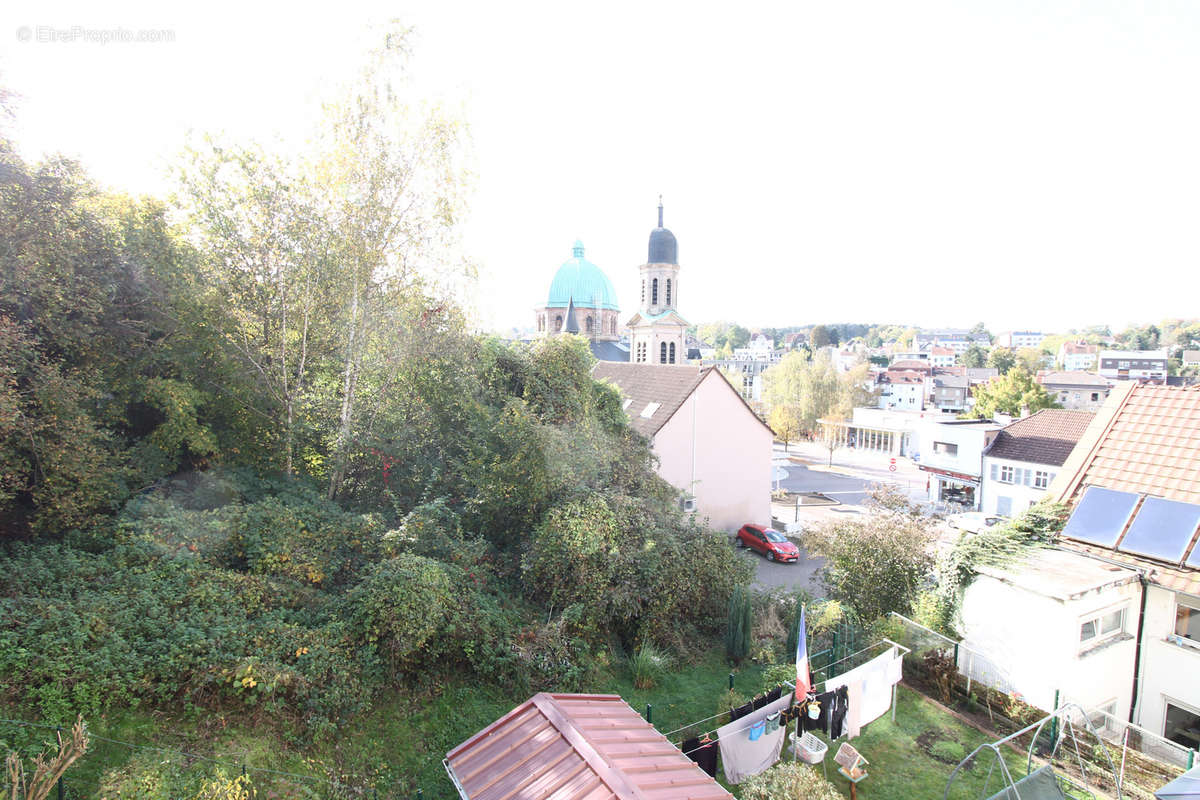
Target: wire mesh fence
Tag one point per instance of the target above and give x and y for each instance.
(979, 685)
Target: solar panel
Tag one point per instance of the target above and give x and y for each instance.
(1162, 529)
(1100, 516)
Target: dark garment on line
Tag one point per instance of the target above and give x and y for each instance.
(759, 701)
(705, 755)
(837, 714)
(740, 711)
(774, 694)
(821, 723)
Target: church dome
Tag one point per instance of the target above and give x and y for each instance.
(663, 247)
(582, 282)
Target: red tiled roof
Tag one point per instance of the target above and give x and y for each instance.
(1078, 348)
(665, 384)
(576, 747)
(1145, 439)
(1047, 437)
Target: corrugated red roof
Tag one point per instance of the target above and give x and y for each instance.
(576, 747)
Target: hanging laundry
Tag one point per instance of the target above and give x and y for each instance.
(759, 701)
(821, 723)
(875, 680)
(854, 704)
(740, 711)
(837, 714)
(742, 756)
(774, 694)
(703, 752)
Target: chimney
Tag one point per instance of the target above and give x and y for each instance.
(1024, 412)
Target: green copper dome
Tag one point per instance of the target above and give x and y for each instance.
(581, 281)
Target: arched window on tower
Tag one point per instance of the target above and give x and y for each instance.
(643, 291)
(589, 324)
(672, 352)
(558, 323)
(662, 353)
(668, 291)
(654, 292)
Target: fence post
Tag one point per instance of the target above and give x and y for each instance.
(420, 794)
(59, 788)
(1054, 721)
(1191, 758)
(650, 713)
(731, 681)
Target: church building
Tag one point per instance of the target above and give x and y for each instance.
(656, 330)
(582, 301)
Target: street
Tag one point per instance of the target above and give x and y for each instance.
(847, 481)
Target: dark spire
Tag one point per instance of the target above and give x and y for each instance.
(663, 247)
(660, 211)
(572, 324)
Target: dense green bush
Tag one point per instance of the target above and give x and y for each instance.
(737, 629)
(789, 780)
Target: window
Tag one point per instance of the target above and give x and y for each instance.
(1006, 474)
(558, 323)
(654, 292)
(628, 402)
(945, 448)
(668, 291)
(1102, 627)
(1187, 618)
(1104, 717)
(643, 291)
(649, 410)
(662, 353)
(1182, 725)
(589, 324)
(671, 351)
(1042, 479)
(1123, 365)
(1095, 396)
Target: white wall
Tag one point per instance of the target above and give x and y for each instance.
(1022, 496)
(1169, 671)
(732, 456)
(1034, 640)
(903, 396)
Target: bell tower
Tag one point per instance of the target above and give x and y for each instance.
(657, 329)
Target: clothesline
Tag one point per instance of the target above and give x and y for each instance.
(735, 730)
(905, 652)
(788, 684)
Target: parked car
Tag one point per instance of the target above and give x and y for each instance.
(973, 521)
(768, 541)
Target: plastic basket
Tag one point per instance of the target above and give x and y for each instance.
(809, 749)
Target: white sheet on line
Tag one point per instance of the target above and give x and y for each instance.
(741, 757)
(876, 677)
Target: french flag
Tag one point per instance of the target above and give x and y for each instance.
(803, 687)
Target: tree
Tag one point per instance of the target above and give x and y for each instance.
(981, 330)
(786, 422)
(738, 337)
(739, 626)
(1013, 394)
(1002, 359)
(974, 356)
(876, 562)
(46, 773)
(823, 336)
(1031, 359)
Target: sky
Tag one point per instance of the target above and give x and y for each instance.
(1032, 165)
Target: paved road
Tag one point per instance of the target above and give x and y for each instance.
(845, 489)
(801, 575)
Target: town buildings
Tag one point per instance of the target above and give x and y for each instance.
(709, 443)
(1018, 339)
(951, 452)
(1077, 356)
(1134, 365)
(1025, 456)
(1079, 391)
(1110, 619)
(956, 339)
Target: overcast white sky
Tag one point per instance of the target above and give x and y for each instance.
(1029, 164)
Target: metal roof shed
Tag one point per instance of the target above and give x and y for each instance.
(576, 747)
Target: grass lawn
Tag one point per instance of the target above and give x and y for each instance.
(401, 743)
(900, 768)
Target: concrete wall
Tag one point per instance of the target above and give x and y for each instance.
(1169, 671)
(732, 456)
(1033, 641)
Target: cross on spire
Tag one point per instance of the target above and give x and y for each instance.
(660, 211)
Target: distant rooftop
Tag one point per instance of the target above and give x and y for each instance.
(1047, 437)
(1073, 378)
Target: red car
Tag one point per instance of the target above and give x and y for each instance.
(768, 541)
